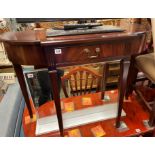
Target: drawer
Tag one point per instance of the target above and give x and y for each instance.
(82, 53)
(94, 53)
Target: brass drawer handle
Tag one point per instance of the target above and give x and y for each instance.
(88, 52)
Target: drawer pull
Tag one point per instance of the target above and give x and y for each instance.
(88, 52)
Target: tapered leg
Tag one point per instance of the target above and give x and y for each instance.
(124, 68)
(104, 79)
(56, 97)
(20, 76)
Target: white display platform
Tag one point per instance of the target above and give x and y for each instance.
(77, 118)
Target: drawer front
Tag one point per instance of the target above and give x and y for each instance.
(81, 53)
(95, 53)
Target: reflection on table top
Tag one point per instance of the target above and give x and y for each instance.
(133, 119)
(49, 108)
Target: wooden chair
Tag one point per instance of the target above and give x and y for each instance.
(81, 80)
(146, 64)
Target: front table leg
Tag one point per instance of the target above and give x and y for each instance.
(124, 68)
(20, 76)
(56, 96)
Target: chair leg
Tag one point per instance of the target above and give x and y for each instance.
(132, 76)
(152, 115)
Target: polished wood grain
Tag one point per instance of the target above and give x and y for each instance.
(133, 119)
(124, 68)
(111, 45)
(20, 76)
(30, 37)
(109, 50)
(55, 90)
(24, 48)
(24, 54)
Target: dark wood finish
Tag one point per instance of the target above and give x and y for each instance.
(26, 53)
(23, 48)
(152, 115)
(131, 79)
(148, 100)
(133, 73)
(104, 79)
(20, 76)
(54, 85)
(55, 90)
(131, 86)
(150, 105)
(6, 66)
(124, 68)
(29, 37)
(133, 119)
(72, 78)
(111, 45)
(107, 50)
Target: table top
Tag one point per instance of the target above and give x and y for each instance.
(29, 37)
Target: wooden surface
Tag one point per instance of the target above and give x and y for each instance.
(111, 45)
(28, 37)
(5, 66)
(143, 91)
(23, 48)
(20, 76)
(56, 96)
(133, 108)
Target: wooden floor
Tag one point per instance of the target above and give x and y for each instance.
(135, 114)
